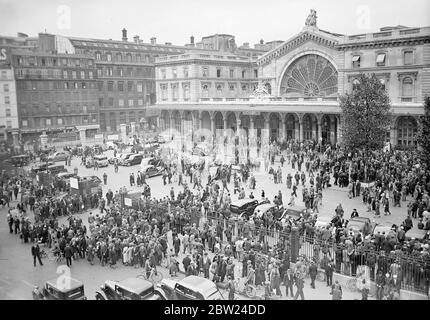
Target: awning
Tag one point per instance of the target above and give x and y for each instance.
(380, 58)
(88, 127)
(355, 58)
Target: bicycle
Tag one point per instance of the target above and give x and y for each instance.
(155, 276)
(246, 289)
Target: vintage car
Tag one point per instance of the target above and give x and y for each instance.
(19, 161)
(295, 213)
(190, 288)
(361, 224)
(322, 222)
(129, 289)
(56, 168)
(65, 289)
(59, 156)
(101, 160)
(417, 234)
(265, 208)
(42, 166)
(151, 171)
(244, 207)
(124, 158)
(133, 160)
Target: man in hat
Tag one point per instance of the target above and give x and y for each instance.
(35, 251)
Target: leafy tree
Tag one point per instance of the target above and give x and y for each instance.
(366, 115)
(423, 136)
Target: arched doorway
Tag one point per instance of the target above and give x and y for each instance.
(274, 120)
(219, 124)
(309, 127)
(187, 124)
(165, 120)
(291, 126)
(326, 129)
(177, 121)
(407, 129)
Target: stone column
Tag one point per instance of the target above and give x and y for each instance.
(15, 138)
(213, 135)
(224, 118)
(123, 130)
(133, 128)
(252, 142)
(339, 129)
(43, 140)
(332, 129)
(301, 131)
(82, 135)
(319, 124)
(282, 133)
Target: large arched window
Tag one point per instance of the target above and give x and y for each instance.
(407, 87)
(310, 76)
(406, 131)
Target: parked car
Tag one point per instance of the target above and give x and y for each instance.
(101, 160)
(42, 166)
(266, 208)
(191, 288)
(295, 213)
(417, 234)
(119, 157)
(20, 161)
(244, 207)
(123, 159)
(56, 168)
(129, 289)
(361, 224)
(71, 289)
(59, 156)
(151, 171)
(133, 160)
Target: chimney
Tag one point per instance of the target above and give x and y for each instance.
(153, 40)
(192, 39)
(124, 35)
(168, 43)
(261, 41)
(246, 44)
(136, 39)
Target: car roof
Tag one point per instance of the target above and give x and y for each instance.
(198, 284)
(100, 156)
(264, 207)
(135, 285)
(64, 288)
(62, 174)
(241, 202)
(147, 166)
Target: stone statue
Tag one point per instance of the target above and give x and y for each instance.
(312, 19)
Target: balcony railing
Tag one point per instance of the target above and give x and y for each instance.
(410, 31)
(382, 34)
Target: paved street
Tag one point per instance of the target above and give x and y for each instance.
(19, 275)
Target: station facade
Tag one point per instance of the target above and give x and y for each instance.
(292, 91)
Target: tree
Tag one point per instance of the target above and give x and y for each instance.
(366, 115)
(423, 136)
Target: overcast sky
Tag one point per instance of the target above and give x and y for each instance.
(176, 20)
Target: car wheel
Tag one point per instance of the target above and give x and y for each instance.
(99, 297)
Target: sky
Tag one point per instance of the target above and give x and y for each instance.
(176, 20)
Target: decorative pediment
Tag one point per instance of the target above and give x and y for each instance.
(413, 74)
(308, 34)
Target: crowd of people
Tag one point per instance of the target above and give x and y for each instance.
(261, 246)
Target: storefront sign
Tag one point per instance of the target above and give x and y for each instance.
(3, 55)
(128, 202)
(98, 136)
(74, 183)
(113, 137)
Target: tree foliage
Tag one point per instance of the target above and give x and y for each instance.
(423, 136)
(365, 115)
